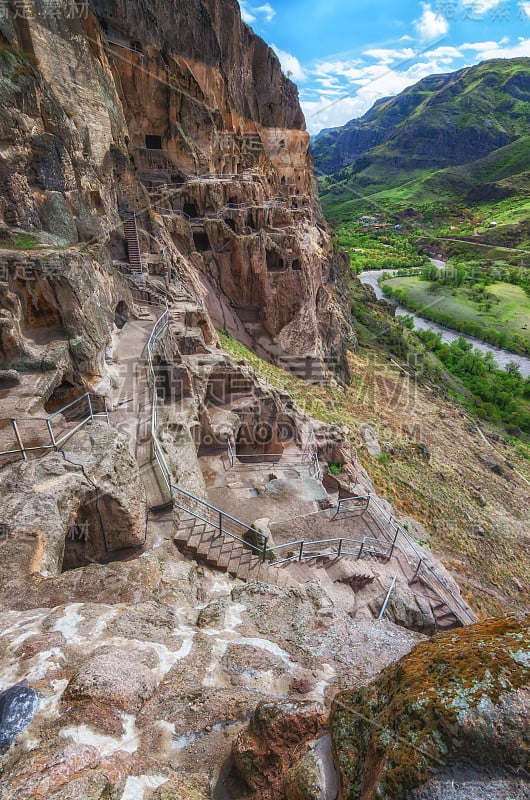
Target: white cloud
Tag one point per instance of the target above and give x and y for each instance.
(251, 13)
(502, 49)
(480, 7)
(525, 8)
(267, 10)
(290, 64)
(386, 56)
(361, 86)
(431, 25)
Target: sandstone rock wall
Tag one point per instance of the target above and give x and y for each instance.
(104, 107)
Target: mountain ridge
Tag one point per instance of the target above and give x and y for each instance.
(468, 120)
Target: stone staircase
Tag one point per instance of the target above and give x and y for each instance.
(130, 230)
(221, 551)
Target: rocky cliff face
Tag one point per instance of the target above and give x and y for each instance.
(108, 112)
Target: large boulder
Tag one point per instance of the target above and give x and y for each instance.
(464, 693)
(264, 751)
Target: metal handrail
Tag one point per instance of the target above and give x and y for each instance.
(291, 459)
(364, 545)
(401, 539)
(55, 443)
(387, 598)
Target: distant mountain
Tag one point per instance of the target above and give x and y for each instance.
(444, 120)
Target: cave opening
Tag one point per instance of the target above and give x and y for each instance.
(201, 242)
(257, 443)
(62, 395)
(231, 224)
(153, 142)
(136, 47)
(297, 266)
(121, 314)
(274, 262)
(190, 209)
(84, 542)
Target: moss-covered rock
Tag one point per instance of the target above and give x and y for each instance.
(464, 693)
(189, 787)
(304, 780)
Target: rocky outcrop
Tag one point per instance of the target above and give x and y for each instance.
(461, 695)
(200, 135)
(61, 512)
(263, 752)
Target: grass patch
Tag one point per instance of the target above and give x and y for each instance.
(25, 241)
(500, 316)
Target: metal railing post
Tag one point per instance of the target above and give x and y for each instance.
(301, 553)
(340, 548)
(359, 554)
(90, 409)
(220, 521)
(50, 430)
(387, 598)
(265, 543)
(420, 562)
(19, 440)
(394, 543)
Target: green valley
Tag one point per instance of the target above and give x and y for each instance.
(498, 314)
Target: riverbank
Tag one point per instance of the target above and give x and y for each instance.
(498, 315)
(502, 357)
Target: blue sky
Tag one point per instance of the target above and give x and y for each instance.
(346, 54)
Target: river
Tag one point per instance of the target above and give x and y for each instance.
(502, 357)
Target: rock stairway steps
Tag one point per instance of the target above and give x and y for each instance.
(130, 230)
(225, 553)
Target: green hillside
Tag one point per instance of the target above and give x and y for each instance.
(448, 156)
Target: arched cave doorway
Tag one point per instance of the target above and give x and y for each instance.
(121, 314)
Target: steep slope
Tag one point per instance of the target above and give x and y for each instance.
(442, 120)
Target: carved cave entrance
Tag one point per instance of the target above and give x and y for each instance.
(62, 395)
(201, 242)
(274, 262)
(84, 540)
(121, 314)
(153, 142)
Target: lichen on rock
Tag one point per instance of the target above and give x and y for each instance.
(463, 693)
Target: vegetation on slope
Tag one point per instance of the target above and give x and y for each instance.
(498, 314)
(435, 466)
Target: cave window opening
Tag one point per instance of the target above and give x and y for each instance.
(64, 394)
(201, 242)
(250, 221)
(283, 180)
(274, 262)
(121, 314)
(136, 47)
(153, 142)
(190, 209)
(231, 224)
(297, 266)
